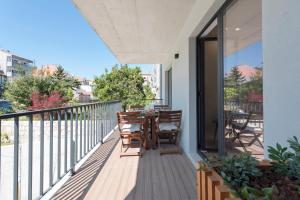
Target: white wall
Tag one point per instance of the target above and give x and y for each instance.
(281, 52)
(184, 72)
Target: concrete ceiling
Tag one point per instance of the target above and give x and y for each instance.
(137, 31)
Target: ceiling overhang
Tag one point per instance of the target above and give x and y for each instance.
(137, 31)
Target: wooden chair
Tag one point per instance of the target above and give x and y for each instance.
(161, 107)
(131, 132)
(238, 128)
(168, 129)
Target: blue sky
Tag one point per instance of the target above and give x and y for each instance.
(54, 32)
(250, 55)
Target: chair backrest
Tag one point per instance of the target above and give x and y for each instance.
(130, 118)
(173, 117)
(247, 121)
(161, 107)
(136, 108)
(244, 125)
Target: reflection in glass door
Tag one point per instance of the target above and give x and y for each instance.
(243, 77)
(230, 81)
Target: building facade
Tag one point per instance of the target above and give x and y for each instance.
(13, 65)
(46, 70)
(85, 93)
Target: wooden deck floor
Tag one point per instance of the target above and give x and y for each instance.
(152, 177)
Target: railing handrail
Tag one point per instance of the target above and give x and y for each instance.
(33, 112)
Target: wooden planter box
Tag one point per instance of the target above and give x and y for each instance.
(211, 186)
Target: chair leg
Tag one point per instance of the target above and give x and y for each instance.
(141, 147)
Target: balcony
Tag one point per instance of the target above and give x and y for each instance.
(73, 153)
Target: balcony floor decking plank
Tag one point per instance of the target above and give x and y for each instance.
(152, 177)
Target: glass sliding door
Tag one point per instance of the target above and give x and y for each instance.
(243, 77)
(230, 81)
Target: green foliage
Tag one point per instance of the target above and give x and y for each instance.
(250, 193)
(254, 85)
(238, 88)
(280, 155)
(239, 169)
(230, 93)
(235, 78)
(122, 83)
(294, 167)
(294, 144)
(294, 162)
(267, 192)
(64, 84)
(286, 162)
(19, 91)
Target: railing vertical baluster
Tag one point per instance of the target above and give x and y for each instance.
(0, 156)
(94, 120)
(84, 143)
(101, 124)
(42, 154)
(80, 132)
(97, 124)
(105, 119)
(58, 143)
(91, 127)
(51, 151)
(88, 128)
(66, 141)
(71, 138)
(76, 135)
(30, 143)
(16, 159)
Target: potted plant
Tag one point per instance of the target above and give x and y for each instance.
(243, 177)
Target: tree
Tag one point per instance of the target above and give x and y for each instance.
(19, 91)
(253, 89)
(122, 83)
(235, 78)
(64, 83)
(22, 91)
(233, 84)
(39, 101)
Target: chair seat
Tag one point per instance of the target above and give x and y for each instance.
(167, 127)
(130, 128)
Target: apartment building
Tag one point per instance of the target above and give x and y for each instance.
(13, 65)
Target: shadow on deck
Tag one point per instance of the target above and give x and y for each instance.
(107, 176)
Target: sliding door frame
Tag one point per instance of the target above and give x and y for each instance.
(220, 74)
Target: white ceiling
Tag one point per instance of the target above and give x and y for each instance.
(137, 31)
